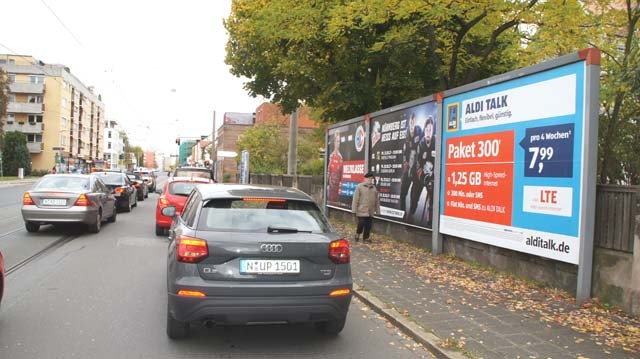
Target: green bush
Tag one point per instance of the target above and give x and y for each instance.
(15, 154)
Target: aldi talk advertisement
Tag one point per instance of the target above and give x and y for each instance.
(512, 163)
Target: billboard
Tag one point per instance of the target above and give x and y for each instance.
(402, 157)
(512, 163)
(345, 163)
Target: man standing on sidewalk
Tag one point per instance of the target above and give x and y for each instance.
(365, 204)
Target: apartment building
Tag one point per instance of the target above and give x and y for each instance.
(62, 118)
(113, 144)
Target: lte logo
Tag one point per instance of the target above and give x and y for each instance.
(548, 196)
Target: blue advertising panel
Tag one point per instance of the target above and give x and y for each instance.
(512, 166)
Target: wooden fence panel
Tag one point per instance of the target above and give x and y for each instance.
(616, 210)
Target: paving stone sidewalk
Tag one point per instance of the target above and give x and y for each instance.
(475, 327)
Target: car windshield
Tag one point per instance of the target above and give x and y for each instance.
(63, 183)
(114, 179)
(133, 177)
(193, 173)
(261, 215)
(181, 188)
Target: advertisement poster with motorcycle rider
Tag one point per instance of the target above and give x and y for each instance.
(402, 157)
(345, 163)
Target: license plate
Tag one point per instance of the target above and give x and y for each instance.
(54, 202)
(269, 266)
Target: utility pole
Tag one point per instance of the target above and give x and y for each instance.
(292, 159)
(213, 155)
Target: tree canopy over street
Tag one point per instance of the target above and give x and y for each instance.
(349, 58)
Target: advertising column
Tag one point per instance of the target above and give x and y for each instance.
(345, 163)
(512, 163)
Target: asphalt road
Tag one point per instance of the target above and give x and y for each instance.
(104, 296)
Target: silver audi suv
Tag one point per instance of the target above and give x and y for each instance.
(245, 254)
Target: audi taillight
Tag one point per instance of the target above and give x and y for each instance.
(120, 190)
(82, 201)
(191, 250)
(26, 200)
(136, 185)
(339, 251)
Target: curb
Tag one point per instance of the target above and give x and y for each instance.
(429, 340)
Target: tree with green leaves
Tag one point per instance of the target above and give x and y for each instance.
(356, 57)
(267, 146)
(267, 149)
(349, 58)
(619, 41)
(15, 153)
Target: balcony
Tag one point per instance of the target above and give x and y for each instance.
(26, 88)
(24, 127)
(35, 147)
(23, 107)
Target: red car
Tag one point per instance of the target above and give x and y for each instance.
(1, 276)
(175, 193)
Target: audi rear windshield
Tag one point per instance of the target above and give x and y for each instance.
(262, 216)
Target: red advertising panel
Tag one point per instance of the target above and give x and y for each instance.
(479, 177)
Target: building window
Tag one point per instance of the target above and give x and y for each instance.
(62, 140)
(12, 78)
(34, 138)
(64, 102)
(109, 145)
(12, 98)
(35, 99)
(36, 79)
(10, 118)
(63, 122)
(109, 134)
(35, 118)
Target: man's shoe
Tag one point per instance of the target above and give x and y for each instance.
(356, 238)
(366, 240)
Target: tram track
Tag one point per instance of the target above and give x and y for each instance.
(55, 244)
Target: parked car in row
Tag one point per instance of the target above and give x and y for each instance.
(67, 198)
(121, 185)
(242, 254)
(142, 189)
(148, 176)
(1, 277)
(175, 193)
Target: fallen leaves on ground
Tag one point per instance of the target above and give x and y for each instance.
(613, 327)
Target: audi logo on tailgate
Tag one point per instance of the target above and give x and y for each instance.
(271, 248)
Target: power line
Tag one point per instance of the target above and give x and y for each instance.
(6, 47)
(62, 23)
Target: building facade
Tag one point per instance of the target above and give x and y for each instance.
(233, 126)
(113, 145)
(62, 118)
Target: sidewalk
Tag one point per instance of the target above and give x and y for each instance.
(470, 311)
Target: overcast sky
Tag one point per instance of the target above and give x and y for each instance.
(159, 65)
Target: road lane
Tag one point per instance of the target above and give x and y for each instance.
(15, 243)
(104, 296)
